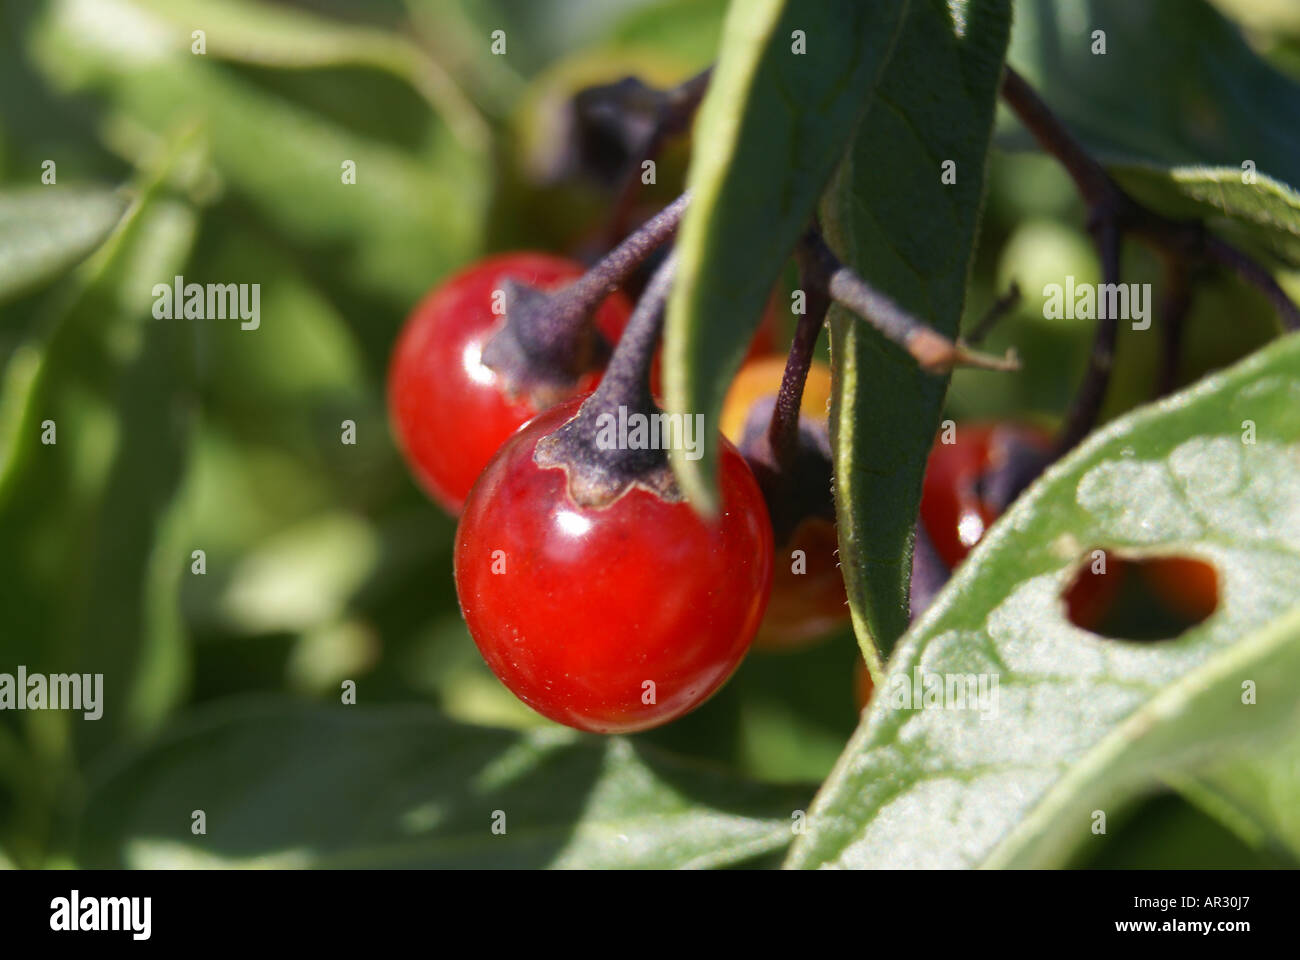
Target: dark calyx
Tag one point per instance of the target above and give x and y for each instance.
(600, 469)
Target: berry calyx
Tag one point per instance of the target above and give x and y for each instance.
(450, 411)
(547, 341)
(591, 587)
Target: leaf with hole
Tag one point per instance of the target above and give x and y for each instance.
(1074, 724)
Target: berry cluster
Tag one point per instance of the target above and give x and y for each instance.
(592, 589)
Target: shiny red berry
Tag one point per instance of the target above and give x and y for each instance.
(449, 411)
(968, 483)
(960, 499)
(615, 618)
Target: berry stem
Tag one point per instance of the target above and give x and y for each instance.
(627, 378)
(1000, 307)
(599, 473)
(1086, 407)
(619, 264)
(931, 349)
(548, 339)
(783, 431)
(1174, 306)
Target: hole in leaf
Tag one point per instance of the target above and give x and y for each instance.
(1141, 598)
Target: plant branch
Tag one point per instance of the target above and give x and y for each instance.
(783, 431)
(1175, 304)
(1112, 213)
(1093, 182)
(1083, 413)
(1107, 201)
(932, 350)
(548, 339)
(1000, 307)
(1224, 254)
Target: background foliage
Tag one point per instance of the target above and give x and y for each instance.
(323, 561)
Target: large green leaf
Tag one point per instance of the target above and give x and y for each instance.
(45, 230)
(1199, 95)
(934, 104)
(770, 131)
(346, 786)
(89, 521)
(1081, 722)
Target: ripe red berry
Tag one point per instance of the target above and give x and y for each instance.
(615, 618)
(449, 411)
(960, 497)
(970, 482)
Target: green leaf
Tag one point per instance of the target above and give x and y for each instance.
(1198, 95)
(1255, 794)
(1266, 211)
(276, 36)
(45, 230)
(343, 786)
(1166, 832)
(90, 489)
(411, 215)
(934, 104)
(1080, 722)
(770, 131)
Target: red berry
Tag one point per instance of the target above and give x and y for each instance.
(966, 489)
(450, 412)
(609, 619)
(956, 505)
